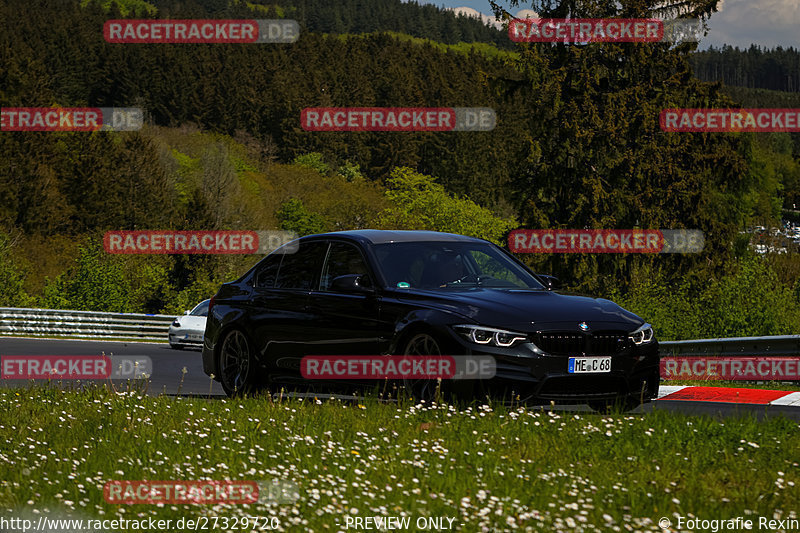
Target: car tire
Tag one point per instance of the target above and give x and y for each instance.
(238, 370)
(426, 390)
(176, 346)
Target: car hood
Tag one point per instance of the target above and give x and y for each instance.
(527, 310)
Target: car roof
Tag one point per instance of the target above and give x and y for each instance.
(376, 236)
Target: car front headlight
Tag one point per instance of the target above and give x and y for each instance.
(643, 335)
(176, 324)
(489, 336)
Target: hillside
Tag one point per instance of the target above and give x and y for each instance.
(418, 19)
(775, 69)
(182, 178)
(577, 144)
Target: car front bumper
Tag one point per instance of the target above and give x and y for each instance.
(524, 372)
(186, 337)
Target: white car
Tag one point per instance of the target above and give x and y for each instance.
(188, 330)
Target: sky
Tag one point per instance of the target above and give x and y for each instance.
(768, 23)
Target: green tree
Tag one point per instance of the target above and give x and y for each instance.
(598, 157)
(418, 202)
(312, 160)
(350, 172)
(751, 301)
(13, 271)
(96, 283)
(294, 216)
(220, 185)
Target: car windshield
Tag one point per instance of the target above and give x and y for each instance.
(201, 309)
(449, 265)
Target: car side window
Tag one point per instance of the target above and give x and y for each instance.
(344, 259)
(490, 266)
(267, 272)
(299, 270)
(200, 310)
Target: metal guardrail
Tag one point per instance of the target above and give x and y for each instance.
(747, 359)
(136, 326)
(774, 346)
(84, 324)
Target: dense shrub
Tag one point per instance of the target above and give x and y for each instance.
(752, 301)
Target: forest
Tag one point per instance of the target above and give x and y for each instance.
(577, 145)
(775, 69)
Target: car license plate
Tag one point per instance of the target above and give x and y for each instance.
(589, 365)
(193, 337)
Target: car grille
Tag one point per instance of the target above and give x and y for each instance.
(571, 343)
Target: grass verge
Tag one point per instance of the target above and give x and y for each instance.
(490, 468)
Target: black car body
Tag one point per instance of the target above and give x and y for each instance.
(372, 292)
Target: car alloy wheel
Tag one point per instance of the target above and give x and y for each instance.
(237, 368)
(422, 389)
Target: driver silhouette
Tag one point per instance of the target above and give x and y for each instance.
(442, 270)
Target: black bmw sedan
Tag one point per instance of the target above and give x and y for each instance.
(419, 292)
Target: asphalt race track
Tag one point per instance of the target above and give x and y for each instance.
(168, 365)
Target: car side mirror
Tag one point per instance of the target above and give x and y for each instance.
(552, 283)
(186, 312)
(350, 283)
